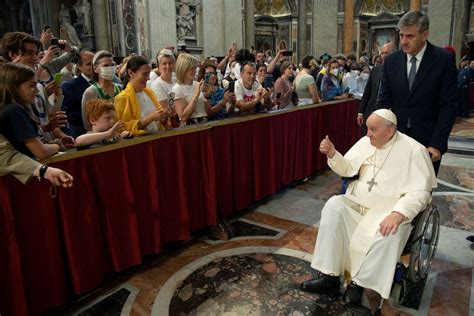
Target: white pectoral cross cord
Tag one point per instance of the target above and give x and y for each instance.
(372, 182)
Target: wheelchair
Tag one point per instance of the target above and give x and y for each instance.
(421, 248)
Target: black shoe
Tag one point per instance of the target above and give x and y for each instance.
(353, 293)
(322, 284)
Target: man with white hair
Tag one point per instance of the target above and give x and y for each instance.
(363, 232)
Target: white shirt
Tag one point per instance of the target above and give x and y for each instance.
(418, 56)
(86, 78)
(162, 88)
(146, 107)
(187, 91)
(242, 93)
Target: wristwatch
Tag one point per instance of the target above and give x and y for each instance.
(42, 172)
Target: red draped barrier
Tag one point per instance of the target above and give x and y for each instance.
(131, 198)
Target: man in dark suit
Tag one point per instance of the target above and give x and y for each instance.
(73, 91)
(369, 98)
(419, 84)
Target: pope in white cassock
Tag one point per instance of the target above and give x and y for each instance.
(364, 231)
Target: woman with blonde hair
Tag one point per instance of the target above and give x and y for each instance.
(136, 106)
(191, 105)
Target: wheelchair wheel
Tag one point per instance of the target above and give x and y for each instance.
(424, 245)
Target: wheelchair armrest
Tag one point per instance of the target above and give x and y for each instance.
(346, 181)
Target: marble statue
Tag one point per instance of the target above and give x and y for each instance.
(83, 11)
(65, 23)
(184, 18)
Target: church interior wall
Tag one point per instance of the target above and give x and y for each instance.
(213, 27)
(440, 13)
(325, 27)
(161, 24)
(232, 24)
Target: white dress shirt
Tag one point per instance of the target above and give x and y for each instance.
(418, 56)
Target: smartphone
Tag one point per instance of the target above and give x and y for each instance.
(207, 78)
(231, 86)
(46, 27)
(287, 53)
(171, 100)
(54, 42)
(57, 78)
(268, 81)
(234, 47)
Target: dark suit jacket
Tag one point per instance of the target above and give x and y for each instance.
(433, 100)
(369, 98)
(72, 103)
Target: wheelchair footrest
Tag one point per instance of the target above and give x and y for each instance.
(413, 294)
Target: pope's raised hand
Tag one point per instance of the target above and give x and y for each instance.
(327, 147)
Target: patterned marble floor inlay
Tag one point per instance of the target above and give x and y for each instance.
(250, 284)
(243, 229)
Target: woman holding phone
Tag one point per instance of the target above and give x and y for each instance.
(283, 86)
(220, 99)
(103, 87)
(191, 105)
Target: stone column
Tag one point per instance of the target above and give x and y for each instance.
(162, 24)
(325, 26)
(302, 49)
(348, 26)
(415, 5)
(213, 27)
(233, 28)
(101, 28)
(249, 23)
(441, 24)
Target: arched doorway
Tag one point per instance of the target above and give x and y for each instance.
(376, 22)
(266, 29)
(273, 23)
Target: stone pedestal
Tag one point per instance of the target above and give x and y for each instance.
(88, 42)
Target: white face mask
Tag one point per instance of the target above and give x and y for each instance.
(107, 73)
(335, 71)
(364, 76)
(354, 73)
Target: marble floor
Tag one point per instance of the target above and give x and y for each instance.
(259, 270)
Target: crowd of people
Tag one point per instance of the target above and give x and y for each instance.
(51, 90)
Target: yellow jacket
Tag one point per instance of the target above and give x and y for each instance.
(127, 109)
